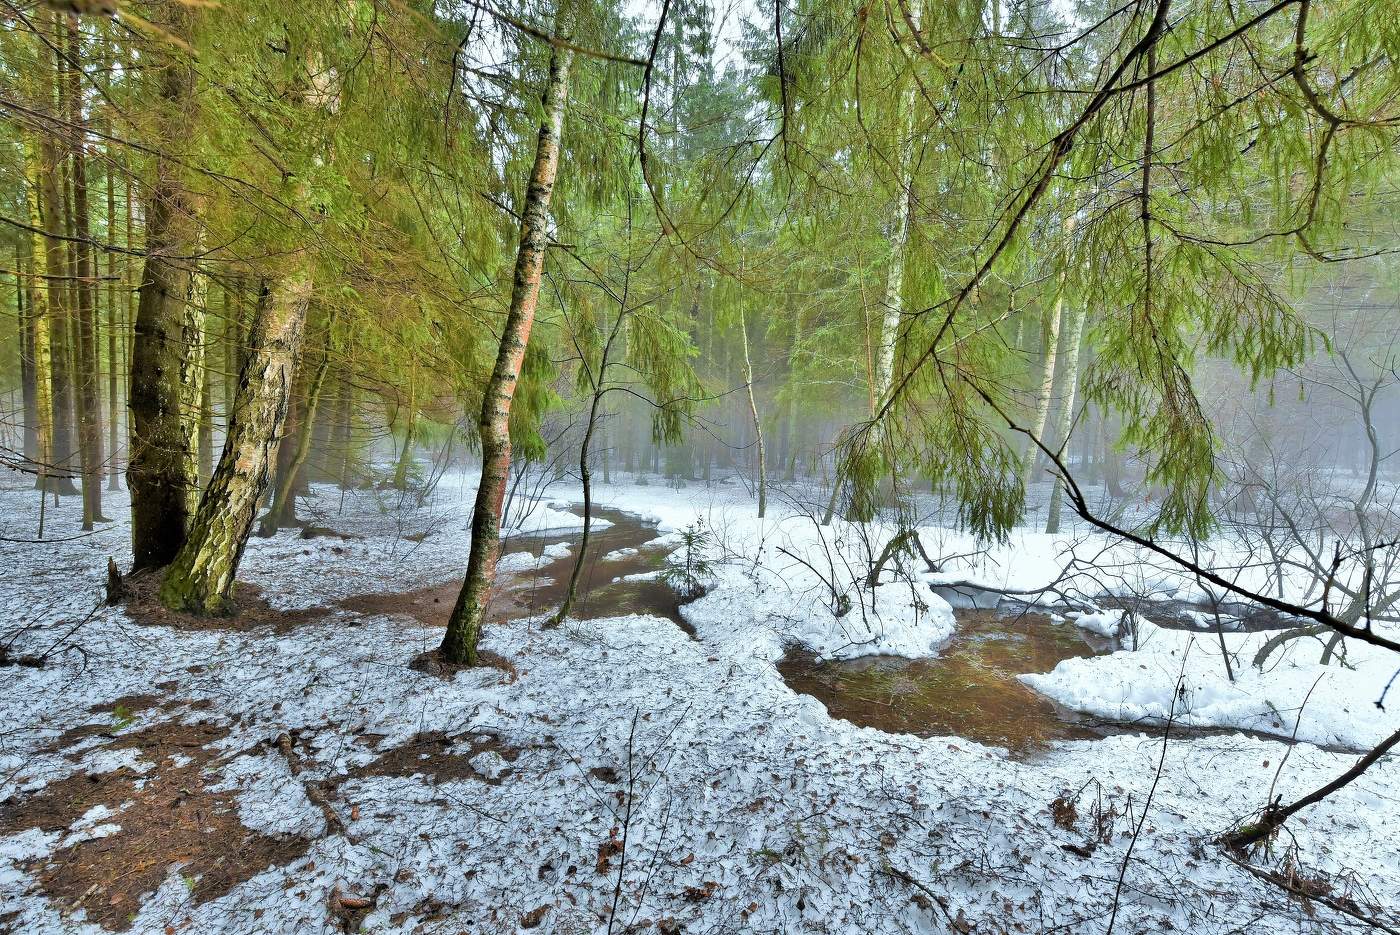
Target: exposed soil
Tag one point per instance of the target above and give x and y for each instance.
(251, 608)
(168, 818)
(430, 606)
(121, 712)
(440, 757)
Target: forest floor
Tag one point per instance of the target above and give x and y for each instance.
(294, 771)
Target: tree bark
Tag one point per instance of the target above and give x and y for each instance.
(86, 359)
(753, 412)
(39, 342)
(201, 577)
(113, 391)
(464, 627)
(49, 179)
(1045, 391)
(1064, 415)
(158, 467)
(283, 513)
(24, 302)
(899, 237)
(206, 422)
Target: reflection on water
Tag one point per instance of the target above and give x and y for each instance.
(970, 690)
(599, 593)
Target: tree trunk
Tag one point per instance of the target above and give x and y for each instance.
(285, 451)
(56, 268)
(206, 422)
(1064, 416)
(158, 466)
(282, 513)
(753, 412)
(1112, 464)
(233, 338)
(85, 288)
(406, 453)
(39, 342)
(113, 403)
(586, 477)
(343, 437)
(24, 303)
(1044, 393)
(201, 577)
(464, 627)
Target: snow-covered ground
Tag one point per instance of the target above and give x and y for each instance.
(626, 777)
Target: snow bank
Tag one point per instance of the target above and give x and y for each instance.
(1139, 685)
(1107, 623)
(547, 517)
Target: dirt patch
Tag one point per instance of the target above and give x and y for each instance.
(251, 609)
(121, 713)
(432, 662)
(440, 757)
(430, 606)
(168, 818)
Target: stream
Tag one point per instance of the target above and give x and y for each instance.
(970, 689)
(603, 589)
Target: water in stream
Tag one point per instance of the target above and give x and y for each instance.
(600, 592)
(970, 689)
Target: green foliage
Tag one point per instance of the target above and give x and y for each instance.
(692, 571)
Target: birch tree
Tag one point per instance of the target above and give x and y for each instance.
(493, 426)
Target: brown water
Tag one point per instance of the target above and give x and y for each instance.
(970, 690)
(599, 595)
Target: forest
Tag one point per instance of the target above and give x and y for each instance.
(699, 466)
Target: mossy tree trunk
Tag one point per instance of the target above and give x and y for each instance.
(282, 513)
(39, 344)
(48, 178)
(159, 471)
(464, 626)
(24, 305)
(201, 577)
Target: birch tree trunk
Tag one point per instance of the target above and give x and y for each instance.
(201, 577)
(283, 513)
(1047, 375)
(1064, 416)
(206, 421)
(753, 412)
(193, 312)
(863, 497)
(285, 449)
(159, 470)
(464, 627)
(899, 237)
(1044, 393)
